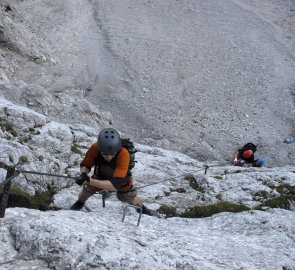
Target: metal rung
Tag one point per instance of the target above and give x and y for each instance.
(5, 194)
(132, 206)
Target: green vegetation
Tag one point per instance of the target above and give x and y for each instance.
(193, 183)
(218, 196)
(168, 211)
(19, 198)
(211, 209)
(179, 190)
(278, 202)
(261, 194)
(6, 126)
(286, 189)
(283, 201)
(3, 165)
(23, 159)
(203, 211)
(75, 149)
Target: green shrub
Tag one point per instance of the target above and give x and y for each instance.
(6, 126)
(179, 190)
(218, 196)
(23, 159)
(286, 189)
(287, 195)
(193, 183)
(75, 149)
(261, 193)
(19, 198)
(168, 211)
(282, 201)
(211, 209)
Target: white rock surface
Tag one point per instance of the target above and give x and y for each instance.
(173, 74)
(76, 240)
(203, 78)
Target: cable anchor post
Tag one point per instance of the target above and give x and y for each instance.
(6, 188)
(206, 169)
(103, 197)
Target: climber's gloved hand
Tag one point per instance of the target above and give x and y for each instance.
(82, 179)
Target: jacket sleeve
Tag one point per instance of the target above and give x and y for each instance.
(120, 177)
(89, 159)
(122, 164)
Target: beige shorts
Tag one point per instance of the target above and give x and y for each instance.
(122, 196)
(127, 196)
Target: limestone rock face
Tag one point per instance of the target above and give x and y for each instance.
(158, 71)
(77, 240)
(33, 142)
(98, 239)
(201, 78)
(67, 107)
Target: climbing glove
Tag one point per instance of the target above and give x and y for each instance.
(82, 179)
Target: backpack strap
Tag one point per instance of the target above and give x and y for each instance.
(129, 145)
(98, 161)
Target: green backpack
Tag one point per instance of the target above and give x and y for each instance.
(128, 144)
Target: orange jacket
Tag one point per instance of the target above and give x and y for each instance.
(115, 170)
